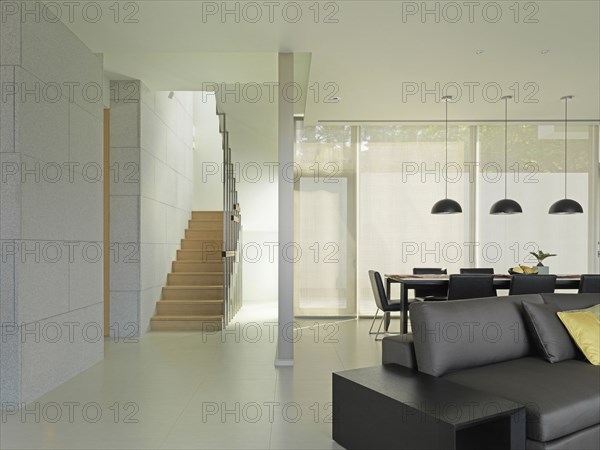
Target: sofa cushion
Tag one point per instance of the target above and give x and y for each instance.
(549, 333)
(582, 440)
(559, 398)
(399, 350)
(571, 301)
(584, 327)
(450, 336)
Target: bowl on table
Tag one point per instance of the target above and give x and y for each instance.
(523, 270)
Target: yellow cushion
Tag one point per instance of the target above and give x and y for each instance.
(584, 327)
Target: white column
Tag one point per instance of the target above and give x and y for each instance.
(285, 347)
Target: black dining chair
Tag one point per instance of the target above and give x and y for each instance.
(589, 284)
(430, 293)
(532, 284)
(480, 270)
(382, 302)
(471, 286)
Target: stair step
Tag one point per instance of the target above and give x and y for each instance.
(201, 224)
(196, 266)
(207, 215)
(199, 255)
(187, 323)
(192, 292)
(201, 244)
(207, 235)
(195, 278)
(189, 308)
(193, 297)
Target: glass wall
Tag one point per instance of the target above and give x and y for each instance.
(366, 194)
(401, 176)
(536, 180)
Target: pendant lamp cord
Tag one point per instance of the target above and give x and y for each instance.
(505, 147)
(566, 102)
(446, 167)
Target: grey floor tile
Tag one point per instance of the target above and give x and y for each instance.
(194, 390)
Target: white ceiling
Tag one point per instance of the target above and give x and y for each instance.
(369, 54)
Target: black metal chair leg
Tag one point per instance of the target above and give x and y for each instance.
(387, 318)
(373, 322)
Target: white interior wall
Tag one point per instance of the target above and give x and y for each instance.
(151, 200)
(208, 154)
(50, 209)
(124, 224)
(166, 189)
(253, 140)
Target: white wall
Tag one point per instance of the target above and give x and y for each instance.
(151, 199)
(208, 154)
(253, 140)
(124, 227)
(166, 175)
(509, 239)
(51, 214)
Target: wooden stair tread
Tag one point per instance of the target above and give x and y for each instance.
(193, 301)
(216, 250)
(187, 318)
(198, 273)
(213, 241)
(202, 239)
(192, 298)
(212, 250)
(194, 261)
(194, 287)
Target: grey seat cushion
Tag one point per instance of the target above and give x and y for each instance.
(588, 439)
(559, 398)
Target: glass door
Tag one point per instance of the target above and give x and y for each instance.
(325, 221)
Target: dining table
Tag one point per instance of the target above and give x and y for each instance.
(407, 282)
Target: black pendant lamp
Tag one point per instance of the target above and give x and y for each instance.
(506, 205)
(566, 205)
(447, 205)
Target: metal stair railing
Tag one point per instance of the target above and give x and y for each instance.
(232, 231)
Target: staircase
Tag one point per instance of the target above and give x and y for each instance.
(193, 300)
(204, 288)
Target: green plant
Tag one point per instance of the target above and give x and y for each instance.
(541, 256)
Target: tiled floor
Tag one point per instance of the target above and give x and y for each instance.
(193, 390)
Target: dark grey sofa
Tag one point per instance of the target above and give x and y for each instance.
(487, 344)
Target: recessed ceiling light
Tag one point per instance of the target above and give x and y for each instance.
(546, 50)
(479, 52)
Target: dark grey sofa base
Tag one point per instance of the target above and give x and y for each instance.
(587, 439)
(562, 399)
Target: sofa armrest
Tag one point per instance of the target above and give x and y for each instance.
(399, 350)
(392, 407)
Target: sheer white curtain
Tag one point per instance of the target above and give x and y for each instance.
(325, 187)
(536, 180)
(401, 176)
